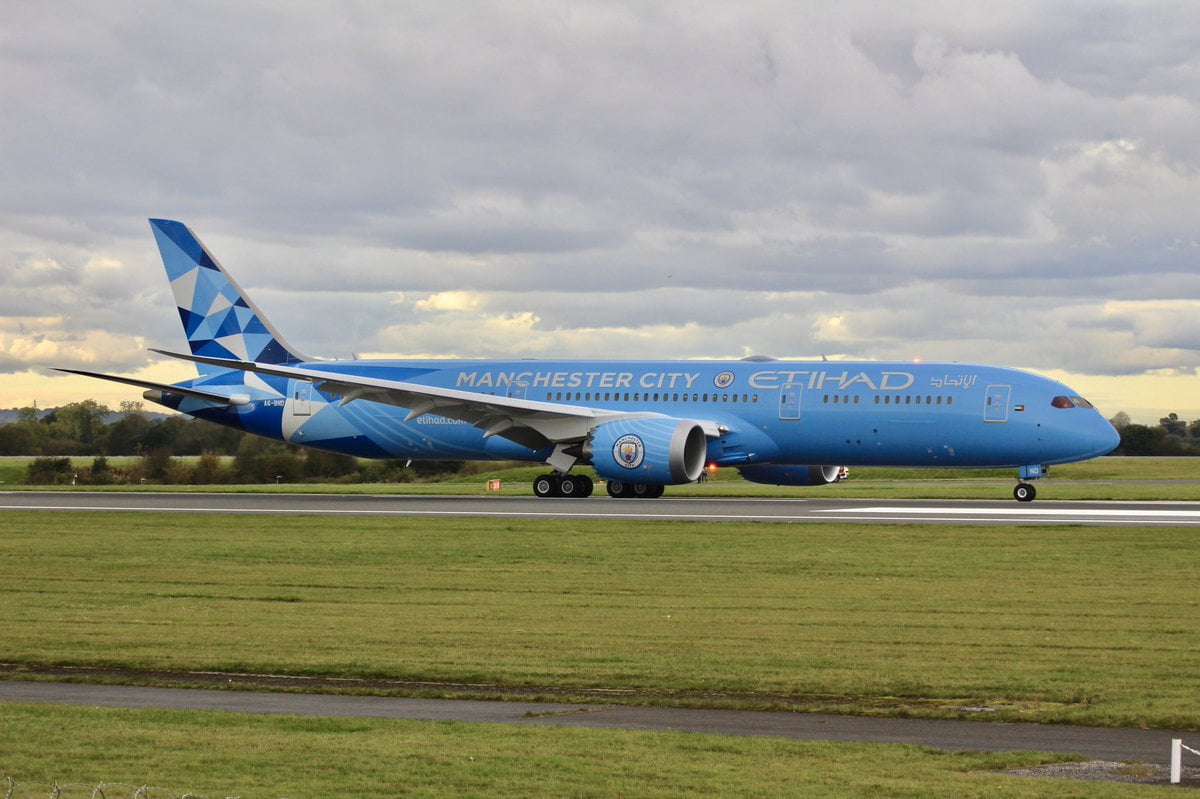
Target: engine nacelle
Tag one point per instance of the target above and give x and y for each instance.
(787, 474)
(659, 450)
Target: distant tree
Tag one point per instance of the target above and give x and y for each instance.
(156, 464)
(318, 463)
(209, 470)
(132, 406)
(1172, 424)
(49, 471)
(1139, 439)
(82, 422)
(28, 414)
(16, 439)
(126, 435)
(1120, 421)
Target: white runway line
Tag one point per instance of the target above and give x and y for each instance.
(1102, 512)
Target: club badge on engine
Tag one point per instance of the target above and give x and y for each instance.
(629, 451)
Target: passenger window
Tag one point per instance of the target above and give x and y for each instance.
(1062, 402)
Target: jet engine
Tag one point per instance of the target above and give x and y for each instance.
(658, 450)
(786, 474)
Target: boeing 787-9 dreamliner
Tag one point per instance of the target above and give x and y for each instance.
(641, 425)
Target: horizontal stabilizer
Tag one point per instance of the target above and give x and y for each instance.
(196, 393)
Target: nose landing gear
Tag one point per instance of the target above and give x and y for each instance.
(1025, 492)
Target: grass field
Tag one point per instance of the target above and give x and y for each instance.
(1078, 624)
(266, 757)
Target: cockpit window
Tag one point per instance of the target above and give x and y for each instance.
(1081, 402)
(1062, 402)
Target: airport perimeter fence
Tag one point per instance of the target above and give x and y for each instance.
(75, 790)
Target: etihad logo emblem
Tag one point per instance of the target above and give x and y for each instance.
(629, 451)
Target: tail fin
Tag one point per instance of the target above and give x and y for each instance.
(218, 318)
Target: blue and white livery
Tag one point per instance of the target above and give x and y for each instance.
(641, 425)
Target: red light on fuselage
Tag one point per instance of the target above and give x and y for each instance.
(711, 468)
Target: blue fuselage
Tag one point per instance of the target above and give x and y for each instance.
(784, 412)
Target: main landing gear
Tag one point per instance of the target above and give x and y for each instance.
(562, 485)
(618, 490)
(577, 486)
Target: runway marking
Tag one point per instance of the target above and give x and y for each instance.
(409, 512)
(1175, 514)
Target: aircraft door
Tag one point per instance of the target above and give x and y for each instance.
(517, 390)
(789, 401)
(995, 407)
(302, 398)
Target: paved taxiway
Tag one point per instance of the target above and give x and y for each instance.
(597, 507)
(1150, 746)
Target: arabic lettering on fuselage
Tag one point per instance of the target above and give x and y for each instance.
(957, 381)
(815, 379)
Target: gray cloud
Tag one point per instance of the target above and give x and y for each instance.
(955, 181)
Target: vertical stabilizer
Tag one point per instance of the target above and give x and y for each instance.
(218, 318)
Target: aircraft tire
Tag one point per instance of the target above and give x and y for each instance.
(546, 485)
(643, 490)
(1024, 492)
(619, 490)
(568, 487)
(585, 486)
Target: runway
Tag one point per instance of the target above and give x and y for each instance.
(1149, 746)
(729, 509)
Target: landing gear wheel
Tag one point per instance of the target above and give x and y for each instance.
(656, 491)
(546, 485)
(619, 490)
(1024, 492)
(647, 490)
(568, 487)
(585, 486)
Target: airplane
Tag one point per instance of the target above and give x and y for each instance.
(640, 424)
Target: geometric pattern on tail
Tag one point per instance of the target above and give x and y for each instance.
(218, 319)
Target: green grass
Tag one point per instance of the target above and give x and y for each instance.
(1077, 624)
(223, 754)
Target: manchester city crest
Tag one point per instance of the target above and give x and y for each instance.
(629, 451)
(723, 380)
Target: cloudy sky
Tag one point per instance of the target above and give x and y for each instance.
(1013, 183)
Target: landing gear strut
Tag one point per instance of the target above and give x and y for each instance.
(1025, 492)
(562, 485)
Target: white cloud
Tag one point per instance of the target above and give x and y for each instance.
(1012, 182)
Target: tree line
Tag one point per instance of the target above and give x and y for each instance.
(80, 428)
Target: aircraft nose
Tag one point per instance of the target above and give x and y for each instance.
(1106, 437)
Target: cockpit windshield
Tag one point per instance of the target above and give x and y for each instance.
(1070, 402)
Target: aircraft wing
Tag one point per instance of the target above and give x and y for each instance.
(530, 423)
(197, 393)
